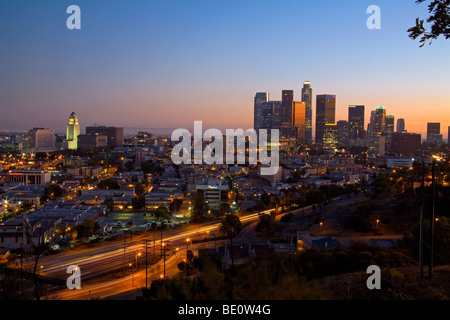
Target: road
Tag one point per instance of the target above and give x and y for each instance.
(115, 256)
(111, 258)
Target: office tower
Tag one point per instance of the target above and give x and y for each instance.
(356, 122)
(434, 132)
(400, 125)
(371, 123)
(92, 140)
(42, 140)
(376, 146)
(260, 97)
(264, 115)
(448, 137)
(389, 126)
(330, 135)
(325, 114)
(72, 132)
(378, 126)
(299, 121)
(276, 118)
(343, 134)
(114, 134)
(389, 131)
(307, 96)
(406, 144)
(287, 98)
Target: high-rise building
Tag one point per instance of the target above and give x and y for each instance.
(325, 114)
(114, 134)
(264, 115)
(400, 125)
(376, 146)
(356, 122)
(42, 139)
(276, 118)
(389, 131)
(72, 132)
(406, 144)
(299, 120)
(378, 127)
(287, 99)
(434, 132)
(330, 136)
(307, 96)
(371, 123)
(389, 125)
(260, 97)
(342, 134)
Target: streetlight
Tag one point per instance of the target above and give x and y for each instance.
(321, 225)
(137, 255)
(164, 257)
(378, 221)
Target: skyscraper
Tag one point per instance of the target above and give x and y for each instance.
(342, 133)
(379, 125)
(264, 115)
(299, 120)
(356, 122)
(330, 135)
(260, 97)
(287, 98)
(72, 132)
(114, 134)
(307, 94)
(400, 125)
(389, 130)
(434, 132)
(376, 146)
(325, 114)
(276, 118)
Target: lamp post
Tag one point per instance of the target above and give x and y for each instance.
(137, 255)
(378, 221)
(164, 257)
(187, 250)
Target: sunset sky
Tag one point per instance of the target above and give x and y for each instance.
(164, 64)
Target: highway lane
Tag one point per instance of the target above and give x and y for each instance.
(110, 257)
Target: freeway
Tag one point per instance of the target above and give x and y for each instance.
(114, 256)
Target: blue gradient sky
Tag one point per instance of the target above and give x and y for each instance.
(164, 64)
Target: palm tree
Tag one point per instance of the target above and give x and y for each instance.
(231, 226)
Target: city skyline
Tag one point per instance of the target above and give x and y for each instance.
(140, 68)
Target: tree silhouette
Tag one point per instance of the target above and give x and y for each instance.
(439, 20)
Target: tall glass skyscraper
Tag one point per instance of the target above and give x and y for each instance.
(342, 133)
(325, 114)
(400, 125)
(72, 132)
(356, 122)
(378, 122)
(307, 94)
(287, 99)
(260, 97)
(299, 121)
